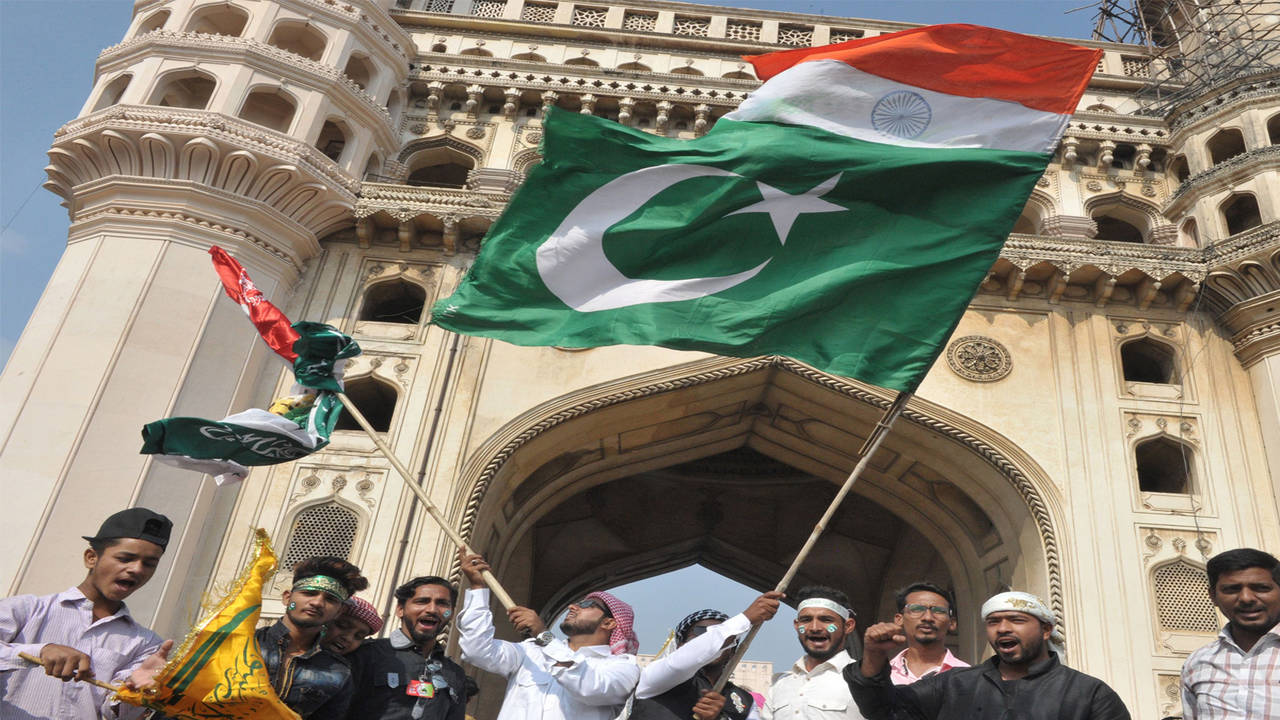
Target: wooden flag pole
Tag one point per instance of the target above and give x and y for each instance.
(432, 510)
(92, 681)
(868, 449)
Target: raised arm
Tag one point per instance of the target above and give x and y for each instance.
(684, 662)
(475, 625)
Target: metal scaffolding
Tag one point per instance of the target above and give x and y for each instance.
(1194, 46)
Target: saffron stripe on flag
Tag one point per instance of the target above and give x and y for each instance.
(963, 60)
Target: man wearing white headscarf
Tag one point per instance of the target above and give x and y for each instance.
(1024, 679)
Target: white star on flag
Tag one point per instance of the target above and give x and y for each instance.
(783, 207)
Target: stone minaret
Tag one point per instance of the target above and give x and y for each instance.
(243, 124)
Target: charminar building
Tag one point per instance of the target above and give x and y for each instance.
(1106, 417)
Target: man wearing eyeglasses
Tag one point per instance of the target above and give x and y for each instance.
(927, 615)
(678, 684)
(587, 676)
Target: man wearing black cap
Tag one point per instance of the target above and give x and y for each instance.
(86, 632)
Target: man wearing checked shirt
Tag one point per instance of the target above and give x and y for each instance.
(586, 677)
(1237, 677)
(814, 688)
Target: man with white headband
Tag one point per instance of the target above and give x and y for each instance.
(813, 688)
(1024, 679)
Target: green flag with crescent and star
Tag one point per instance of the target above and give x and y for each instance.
(843, 215)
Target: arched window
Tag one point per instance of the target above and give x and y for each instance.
(187, 89)
(738, 75)
(529, 57)
(361, 71)
(1182, 598)
(634, 67)
(395, 103)
(154, 21)
(1240, 211)
(299, 38)
(1164, 466)
(270, 108)
(1226, 144)
(1190, 233)
(375, 399)
(1116, 230)
(112, 93)
(333, 138)
(373, 167)
(1148, 361)
(440, 167)
(686, 70)
(1273, 129)
(394, 301)
(1178, 168)
(220, 19)
(582, 62)
(1025, 225)
(321, 530)
(476, 52)
(439, 48)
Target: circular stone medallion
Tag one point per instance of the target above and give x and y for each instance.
(979, 358)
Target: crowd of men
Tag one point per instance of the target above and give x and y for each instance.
(323, 664)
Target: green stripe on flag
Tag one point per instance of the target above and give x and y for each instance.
(187, 673)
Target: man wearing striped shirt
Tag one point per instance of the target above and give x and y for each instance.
(85, 632)
(1237, 677)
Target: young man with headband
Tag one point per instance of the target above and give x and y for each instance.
(588, 676)
(407, 676)
(679, 683)
(813, 689)
(1025, 679)
(313, 681)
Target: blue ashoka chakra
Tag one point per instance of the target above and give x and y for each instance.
(902, 114)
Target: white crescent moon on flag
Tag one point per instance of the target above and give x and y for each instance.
(574, 267)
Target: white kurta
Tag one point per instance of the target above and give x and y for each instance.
(817, 694)
(593, 687)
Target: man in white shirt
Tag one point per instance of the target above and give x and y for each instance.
(586, 677)
(679, 683)
(814, 688)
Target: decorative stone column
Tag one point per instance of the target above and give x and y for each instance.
(1245, 291)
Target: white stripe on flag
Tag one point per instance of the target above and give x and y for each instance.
(841, 99)
(258, 419)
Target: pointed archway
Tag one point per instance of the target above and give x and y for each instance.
(728, 463)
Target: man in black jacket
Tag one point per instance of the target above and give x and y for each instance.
(407, 676)
(313, 681)
(1025, 678)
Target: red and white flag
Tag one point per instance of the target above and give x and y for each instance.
(272, 324)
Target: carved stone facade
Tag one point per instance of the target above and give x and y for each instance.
(1103, 420)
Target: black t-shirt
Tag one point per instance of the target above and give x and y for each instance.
(677, 703)
(385, 673)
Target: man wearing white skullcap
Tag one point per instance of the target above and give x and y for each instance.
(1024, 679)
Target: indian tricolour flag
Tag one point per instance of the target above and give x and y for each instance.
(843, 215)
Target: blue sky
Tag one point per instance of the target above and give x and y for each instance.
(47, 51)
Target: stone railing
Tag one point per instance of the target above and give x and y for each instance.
(271, 52)
(207, 123)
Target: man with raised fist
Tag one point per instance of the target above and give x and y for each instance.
(1024, 679)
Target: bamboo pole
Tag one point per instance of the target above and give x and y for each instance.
(92, 681)
(432, 510)
(868, 449)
